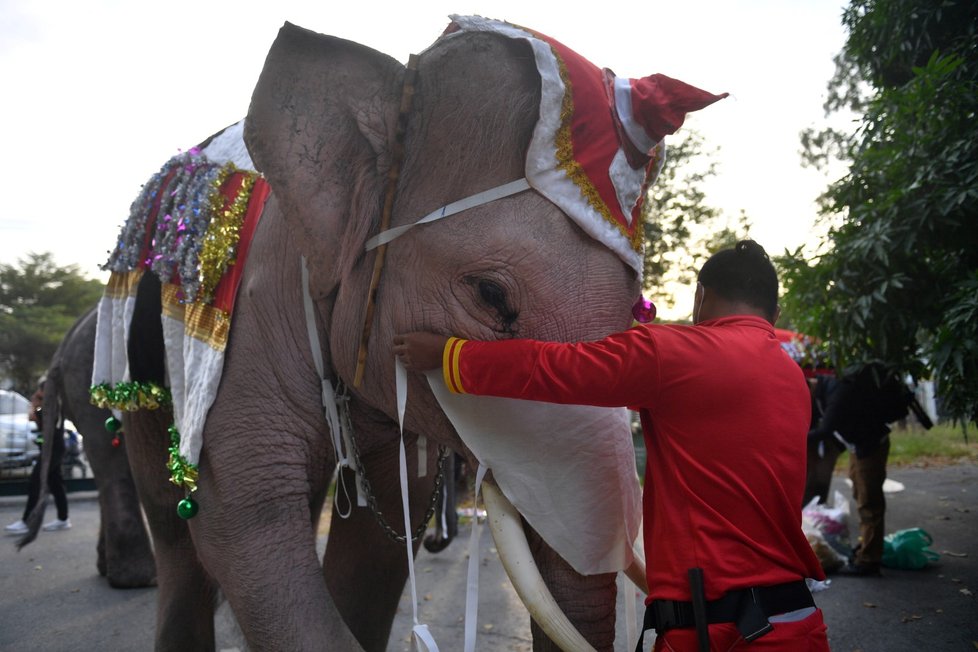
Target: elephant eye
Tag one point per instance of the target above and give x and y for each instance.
(495, 296)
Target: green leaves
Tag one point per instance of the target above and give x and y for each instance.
(953, 350)
(676, 214)
(896, 280)
(39, 302)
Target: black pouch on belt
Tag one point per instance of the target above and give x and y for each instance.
(751, 621)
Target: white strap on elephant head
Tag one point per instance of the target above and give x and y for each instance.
(447, 210)
(424, 642)
(333, 405)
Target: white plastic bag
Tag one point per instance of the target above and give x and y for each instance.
(827, 529)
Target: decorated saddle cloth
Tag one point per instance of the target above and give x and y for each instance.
(191, 226)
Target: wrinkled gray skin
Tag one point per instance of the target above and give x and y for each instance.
(125, 557)
(321, 128)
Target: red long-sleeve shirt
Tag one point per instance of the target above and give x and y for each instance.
(725, 414)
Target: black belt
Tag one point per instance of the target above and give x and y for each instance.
(748, 608)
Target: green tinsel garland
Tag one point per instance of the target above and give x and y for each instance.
(182, 472)
(130, 397)
(133, 396)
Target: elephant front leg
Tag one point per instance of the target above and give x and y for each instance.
(365, 569)
(186, 595)
(255, 532)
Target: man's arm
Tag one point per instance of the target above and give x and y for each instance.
(619, 370)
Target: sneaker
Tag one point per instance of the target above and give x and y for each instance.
(17, 527)
(57, 525)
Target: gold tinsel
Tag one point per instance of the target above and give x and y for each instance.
(220, 243)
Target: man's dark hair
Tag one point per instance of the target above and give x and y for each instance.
(743, 273)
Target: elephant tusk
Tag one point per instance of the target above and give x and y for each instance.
(514, 552)
(636, 571)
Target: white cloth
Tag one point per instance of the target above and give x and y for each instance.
(115, 310)
(569, 470)
(229, 146)
(194, 369)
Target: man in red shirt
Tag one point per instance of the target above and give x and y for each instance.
(725, 414)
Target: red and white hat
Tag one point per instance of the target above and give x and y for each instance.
(598, 143)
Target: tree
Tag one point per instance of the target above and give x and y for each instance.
(39, 302)
(896, 277)
(680, 228)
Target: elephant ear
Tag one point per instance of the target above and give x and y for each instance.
(319, 126)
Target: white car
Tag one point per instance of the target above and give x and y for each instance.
(17, 437)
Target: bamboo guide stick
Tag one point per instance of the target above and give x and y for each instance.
(397, 157)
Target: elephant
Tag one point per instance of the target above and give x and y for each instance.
(124, 553)
(330, 131)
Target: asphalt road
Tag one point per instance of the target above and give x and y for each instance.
(929, 609)
(52, 599)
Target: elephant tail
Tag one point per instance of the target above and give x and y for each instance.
(52, 446)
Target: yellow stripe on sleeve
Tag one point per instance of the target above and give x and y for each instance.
(450, 368)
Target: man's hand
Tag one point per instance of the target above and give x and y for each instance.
(419, 351)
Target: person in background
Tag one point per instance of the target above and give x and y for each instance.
(725, 413)
(824, 448)
(858, 407)
(55, 479)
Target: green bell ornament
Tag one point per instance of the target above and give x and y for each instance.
(187, 508)
(112, 425)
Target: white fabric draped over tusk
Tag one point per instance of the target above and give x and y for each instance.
(560, 465)
(514, 552)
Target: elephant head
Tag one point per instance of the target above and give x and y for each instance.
(554, 256)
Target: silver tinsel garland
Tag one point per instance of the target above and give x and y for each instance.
(180, 196)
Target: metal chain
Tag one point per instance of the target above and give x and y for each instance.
(365, 484)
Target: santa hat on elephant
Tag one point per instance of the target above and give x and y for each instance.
(598, 143)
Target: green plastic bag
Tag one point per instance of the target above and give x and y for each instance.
(908, 549)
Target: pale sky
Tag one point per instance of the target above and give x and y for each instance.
(97, 95)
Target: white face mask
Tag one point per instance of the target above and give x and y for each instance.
(569, 470)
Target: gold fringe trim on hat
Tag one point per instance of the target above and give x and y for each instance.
(569, 165)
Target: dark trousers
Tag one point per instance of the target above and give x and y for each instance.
(868, 474)
(818, 475)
